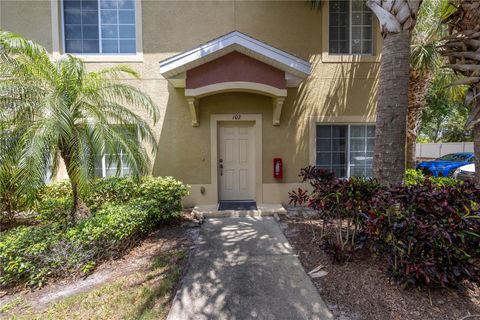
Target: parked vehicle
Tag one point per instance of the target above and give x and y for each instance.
(465, 173)
(446, 165)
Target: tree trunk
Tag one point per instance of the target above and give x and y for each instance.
(73, 211)
(476, 149)
(72, 220)
(417, 100)
(390, 133)
(411, 151)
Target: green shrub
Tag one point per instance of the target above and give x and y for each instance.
(416, 177)
(161, 196)
(125, 212)
(24, 254)
(54, 202)
(112, 224)
(111, 190)
(32, 255)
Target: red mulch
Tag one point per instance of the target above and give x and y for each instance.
(360, 289)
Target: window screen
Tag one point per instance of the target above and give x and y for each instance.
(350, 27)
(346, 150)
(99, 26)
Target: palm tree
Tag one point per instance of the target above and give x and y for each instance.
(424, 62)
(462, 47)
(397, 20)
(61, 111)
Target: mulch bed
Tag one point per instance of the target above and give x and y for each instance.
(360, 289)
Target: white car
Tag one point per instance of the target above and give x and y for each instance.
(465, 173)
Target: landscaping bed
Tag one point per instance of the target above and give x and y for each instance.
(139, 285)
(359, 289)
(119, 213)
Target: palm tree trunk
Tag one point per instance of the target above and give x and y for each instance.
(476, 149)
(73, 211)
(390, 133)
(417, 100)
(411, 151)
(75, 198)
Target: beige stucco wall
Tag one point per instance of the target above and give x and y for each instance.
(31, 19)
(339, 88)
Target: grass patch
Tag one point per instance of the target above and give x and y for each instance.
(142, 295)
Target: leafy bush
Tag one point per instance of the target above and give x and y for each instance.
(32, 255)
(427, 230)
(111, 190)
(54, 202)
(112, 224)
(161, 196)
(430, 236)
(343, 203)
(24, 252)
(417, 177)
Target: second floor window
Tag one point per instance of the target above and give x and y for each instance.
(350, 27)
(99, 26)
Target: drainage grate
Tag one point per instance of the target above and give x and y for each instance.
(237, 205)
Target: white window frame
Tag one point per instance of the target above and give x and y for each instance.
(58, 37)
(104, 161)
(349, 34)
(348, 140)
(104, 165)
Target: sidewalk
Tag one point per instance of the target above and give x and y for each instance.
(244, 268)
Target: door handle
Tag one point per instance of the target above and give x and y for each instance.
(221, 170)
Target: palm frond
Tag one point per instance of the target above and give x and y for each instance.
(58, 109)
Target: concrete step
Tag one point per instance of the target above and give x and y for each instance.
(263, 209)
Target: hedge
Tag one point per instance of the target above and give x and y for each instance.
(33, 255)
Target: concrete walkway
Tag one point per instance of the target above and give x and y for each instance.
(244, 268)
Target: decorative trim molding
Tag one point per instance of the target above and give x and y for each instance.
(277, 110)
(278, 96)
(235, 41)
(193, 107)
(236, 86)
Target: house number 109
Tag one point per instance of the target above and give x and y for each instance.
(236, 116)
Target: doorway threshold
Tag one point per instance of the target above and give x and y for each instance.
(263, 209)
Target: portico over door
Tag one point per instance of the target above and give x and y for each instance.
(235, 62)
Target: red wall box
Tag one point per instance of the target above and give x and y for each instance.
(277, 168)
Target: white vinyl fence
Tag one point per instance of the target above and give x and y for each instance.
(436, 150)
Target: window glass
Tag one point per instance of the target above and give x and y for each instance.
(350, 27)
(456, 157)
(346, 150)
(114, 162)
(332, 148)
(99, 26)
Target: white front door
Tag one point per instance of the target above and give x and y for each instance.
(236, 161)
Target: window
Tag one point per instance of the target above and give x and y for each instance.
(350, 27)
(346, 150)
(99, 26)
(108, 166)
